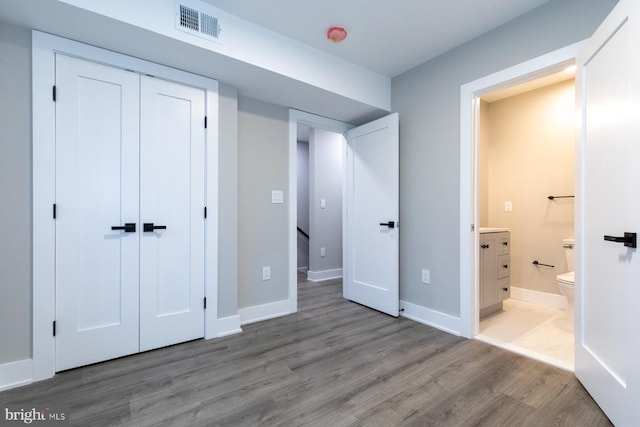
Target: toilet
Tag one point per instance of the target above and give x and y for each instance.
(566, 281)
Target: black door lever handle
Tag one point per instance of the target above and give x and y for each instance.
(629, 239)
(148, 226)
(390, 224)
(129, 227)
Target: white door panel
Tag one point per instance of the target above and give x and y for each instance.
(608, 273)
(372, 200)
(171, 196)
(96, 188)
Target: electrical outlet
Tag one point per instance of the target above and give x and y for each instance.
(508, 206)
(426, 277)
(323, 252)
(266, 273)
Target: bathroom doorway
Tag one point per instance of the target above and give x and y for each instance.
(525, 175)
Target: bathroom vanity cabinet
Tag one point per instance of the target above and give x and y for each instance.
(494, 269)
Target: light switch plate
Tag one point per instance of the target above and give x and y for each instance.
(277, 196)
(508, 206)
(323, 252)
(266, 273)
(323, 204)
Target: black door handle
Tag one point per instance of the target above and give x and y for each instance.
(629, 239)
(390, 224)
(148, 226)
(484, 246)
(129, 227)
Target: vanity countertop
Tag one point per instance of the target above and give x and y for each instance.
(492, 230)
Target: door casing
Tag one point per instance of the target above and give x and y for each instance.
(44, 47)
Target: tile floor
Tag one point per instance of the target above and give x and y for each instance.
(532, 330)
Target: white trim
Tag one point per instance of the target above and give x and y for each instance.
(228, 326)
(541, 298)
(317, 276)
(444, 322)
(312, 120)
(469, 96)
(16, 374)
(44, 48)
(258, 313)
(303, 269)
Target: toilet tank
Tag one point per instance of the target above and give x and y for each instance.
(569, 253)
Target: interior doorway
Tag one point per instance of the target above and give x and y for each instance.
(471, 94)
(320, 188)
(525, 173)
(299, 123)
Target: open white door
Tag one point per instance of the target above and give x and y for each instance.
(608, 274)
(372, 235)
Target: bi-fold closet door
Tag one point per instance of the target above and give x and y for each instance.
(130, 159)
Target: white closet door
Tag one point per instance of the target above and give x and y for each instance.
(172, 200)
(96, 189)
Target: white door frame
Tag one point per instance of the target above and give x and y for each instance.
(300, 117)
(44, 48)
(470, 94)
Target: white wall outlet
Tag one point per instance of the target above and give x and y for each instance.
(277, 196)
(508, 206)
(426, 277)
(323, 204)
(266, 273)
(323, 252)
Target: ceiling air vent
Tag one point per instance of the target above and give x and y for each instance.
(191, 19)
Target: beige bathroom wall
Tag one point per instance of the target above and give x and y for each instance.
(530, 155)
(483, 165)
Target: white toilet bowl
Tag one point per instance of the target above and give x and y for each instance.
(566, 283)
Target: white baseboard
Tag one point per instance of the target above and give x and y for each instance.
(15, 374)
(228, 326)
(537, 297)
(427, 316)
(317, 276)
(303, 269)
(258, 313)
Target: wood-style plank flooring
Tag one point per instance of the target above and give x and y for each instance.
(334, 363)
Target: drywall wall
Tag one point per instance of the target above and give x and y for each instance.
(15, 194)
(531, 156)
(263, 137)
(326, 151)
(227, 201)
(303, 202)
(428, 100)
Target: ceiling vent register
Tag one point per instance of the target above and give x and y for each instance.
(191, 19)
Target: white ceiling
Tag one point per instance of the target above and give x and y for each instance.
(386, 36)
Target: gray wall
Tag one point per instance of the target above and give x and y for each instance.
(428, 100)
(263, 141)
(303, 202)
(325, 182)
(228, 201)
(15, 194)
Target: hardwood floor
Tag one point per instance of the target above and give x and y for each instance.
(334, 363)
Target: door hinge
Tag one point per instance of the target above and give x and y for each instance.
(205, 212)
(205, 122)
(473, 227)
(54, 211)
(54, 328)
(205, 303)
(54, 93)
